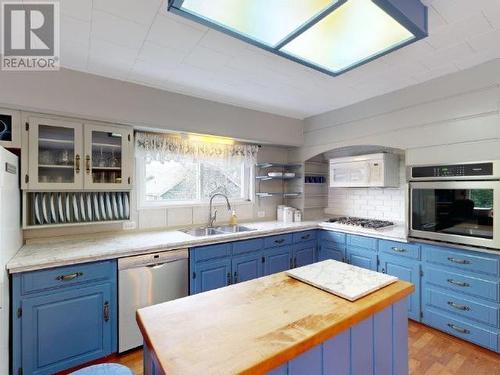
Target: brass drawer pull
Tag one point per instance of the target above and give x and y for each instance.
(87, 164)
(458, 306)
(279, 241)
(398, 249)
(458, 283)
(459, 261)
(458, 329)
(305, 237)
(69, 277)
(77, 163)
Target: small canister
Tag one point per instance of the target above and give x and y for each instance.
(279, 212)
(297, 216)
(288, 214)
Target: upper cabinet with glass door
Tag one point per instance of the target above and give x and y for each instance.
(107, 162)
(55, 149)
(66, 155)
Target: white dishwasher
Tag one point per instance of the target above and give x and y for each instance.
(147, 280)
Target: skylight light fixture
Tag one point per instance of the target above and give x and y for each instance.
(332, 36)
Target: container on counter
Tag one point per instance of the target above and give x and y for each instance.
(297, 216)
(288, 214)
(279, 212)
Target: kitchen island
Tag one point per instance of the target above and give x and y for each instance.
(278, 325)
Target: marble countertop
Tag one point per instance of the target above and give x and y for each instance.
(80, 249)
(343, 280)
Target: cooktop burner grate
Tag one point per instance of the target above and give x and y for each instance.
(361, 222)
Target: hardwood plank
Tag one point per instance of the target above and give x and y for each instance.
(456, 357)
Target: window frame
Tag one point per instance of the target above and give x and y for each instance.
(142, 203)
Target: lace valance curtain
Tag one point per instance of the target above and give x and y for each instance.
(168, 147)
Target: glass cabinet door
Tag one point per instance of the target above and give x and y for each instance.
(55, 159)
(107, 157)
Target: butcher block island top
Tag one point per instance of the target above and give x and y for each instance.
(254, 326)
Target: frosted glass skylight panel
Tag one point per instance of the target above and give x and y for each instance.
(265, 21)
(357, 31)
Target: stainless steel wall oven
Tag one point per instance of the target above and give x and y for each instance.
(456, 203)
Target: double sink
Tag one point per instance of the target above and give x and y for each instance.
(223, 229)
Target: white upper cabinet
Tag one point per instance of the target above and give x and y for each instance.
(107, 161)
(67, 155)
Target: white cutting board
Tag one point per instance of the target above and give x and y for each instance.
(343, 280)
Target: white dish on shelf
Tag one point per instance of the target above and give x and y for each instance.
(82, 207)
(36, 204)
(115, 206)
(108, 206)
(76, 214)
(44, 209)
(289, 174)
(101, 205)
(52, 199)
(89, 206)
(119, 198)
(126, 207)
(97, 213)
(275, 174)
(68, 208)
(60, 208)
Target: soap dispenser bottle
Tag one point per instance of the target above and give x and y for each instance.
(233, 220)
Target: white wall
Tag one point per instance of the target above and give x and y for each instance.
(453, 118)
(77, 94)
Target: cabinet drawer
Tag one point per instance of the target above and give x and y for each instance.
(247, 246)
(457, 327)
(458, 282)
(407, 250)
(212, 252)
(463, 306)
(335, 237)
(59, 277)
(304, 236)
(472, 262)
(273, 241)
(364, 242)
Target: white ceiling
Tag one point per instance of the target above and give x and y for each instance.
(138, 41)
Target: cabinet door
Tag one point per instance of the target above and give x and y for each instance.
(212, 275)
(66, 329)
(277, 260)
(304, 254)
(55, 155)
(108, 161)
(247, 267)
(329, 251)
(407, 270)
(362, 258)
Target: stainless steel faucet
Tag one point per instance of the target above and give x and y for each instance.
(212, 218)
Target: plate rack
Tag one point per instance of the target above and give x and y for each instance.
(54, 209)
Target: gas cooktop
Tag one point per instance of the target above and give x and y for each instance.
(361, 222)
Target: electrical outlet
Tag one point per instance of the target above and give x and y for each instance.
(127, 225)
(261, 213)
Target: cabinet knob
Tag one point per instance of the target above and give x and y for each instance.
(383, 270)
(229, 278)
(235, 277)
(106, 311)
(399, 249)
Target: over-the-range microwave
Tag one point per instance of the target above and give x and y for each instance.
(456, 203)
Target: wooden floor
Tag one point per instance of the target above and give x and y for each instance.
(431, 353)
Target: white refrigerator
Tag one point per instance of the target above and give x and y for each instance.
(10, 241)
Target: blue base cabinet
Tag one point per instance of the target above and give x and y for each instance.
(407, 270)
(65, 319)
(216, 266)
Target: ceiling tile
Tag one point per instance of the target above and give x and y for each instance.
(445, 55)
(73, 29)
(117, 30)
(141, 11)
(80, 9)
(458, 31)
(151, 73)
(206, 58)
(455, 10)
(104, 50)
(169, 33)
(74, 54)
(154, 53)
